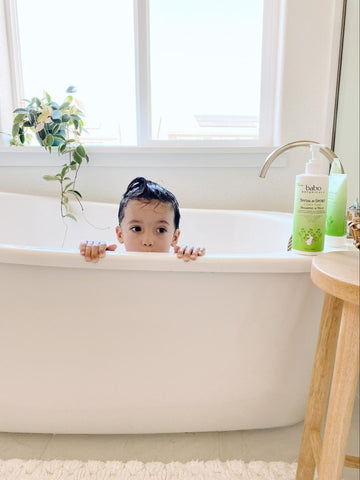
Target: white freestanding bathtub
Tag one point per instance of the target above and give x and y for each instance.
(142, 343)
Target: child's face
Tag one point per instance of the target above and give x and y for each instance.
(148, 226)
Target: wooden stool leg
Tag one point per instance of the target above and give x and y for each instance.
(342, 396)
(320, 383)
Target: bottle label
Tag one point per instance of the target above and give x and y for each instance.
(309, 217)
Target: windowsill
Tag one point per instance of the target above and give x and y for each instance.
(114, 156)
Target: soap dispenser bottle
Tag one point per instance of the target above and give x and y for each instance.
(336, 220)
(311, 193)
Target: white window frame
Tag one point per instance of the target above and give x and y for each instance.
(142, 77)
(290, 73)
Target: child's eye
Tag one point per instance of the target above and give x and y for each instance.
(161, 230)
(136, 229)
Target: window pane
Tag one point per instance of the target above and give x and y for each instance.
(88, 44)
(205, 58)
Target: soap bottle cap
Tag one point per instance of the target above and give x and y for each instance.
(316, 166)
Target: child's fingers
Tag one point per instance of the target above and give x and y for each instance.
(92, 250)
(82, 247)
(189, 252)
(181, 252)
(102, 249)
(87, 249)
(197, 252)
(112, 247)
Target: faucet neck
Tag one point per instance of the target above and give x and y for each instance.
(329, 154)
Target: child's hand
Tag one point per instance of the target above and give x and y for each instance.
(92, 250)
(189, 252)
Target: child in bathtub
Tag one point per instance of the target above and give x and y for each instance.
(149, 219)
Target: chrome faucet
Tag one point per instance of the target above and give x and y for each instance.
(329, 154)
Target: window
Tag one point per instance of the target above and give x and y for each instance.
(153, 72)
(205, 64)
(93, 51)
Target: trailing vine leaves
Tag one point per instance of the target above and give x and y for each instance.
(68, 175)
(55, 126)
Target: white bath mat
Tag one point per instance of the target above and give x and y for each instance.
(16, 469)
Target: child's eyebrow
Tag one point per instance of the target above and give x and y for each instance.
(134, 221)
(140, 221)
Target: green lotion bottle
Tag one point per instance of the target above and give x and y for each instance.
(336, 221)
(311, 193)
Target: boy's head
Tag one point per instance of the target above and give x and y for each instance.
(146, 190)
(149, 217)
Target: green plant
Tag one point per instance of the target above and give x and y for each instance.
(55, 126)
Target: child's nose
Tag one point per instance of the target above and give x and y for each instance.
(147, 241)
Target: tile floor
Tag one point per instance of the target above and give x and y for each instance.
(273, 444)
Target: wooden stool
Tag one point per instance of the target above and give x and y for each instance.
(337, 356)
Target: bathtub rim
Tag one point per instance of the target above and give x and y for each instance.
(287, 262)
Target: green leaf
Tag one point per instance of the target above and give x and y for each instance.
(77, 157)
(81, 151)
(49, 140)
(68, 186)
(57, 135)
(71, 216)
(65, 118)
(64, 106)
(19, 117)
(55, 129)
(50, 177)
(21, 110)
(32, 118)
(76, 193)
(48, 98)
(15, 129)
(41, 134)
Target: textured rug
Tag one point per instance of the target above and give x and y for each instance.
(16, 469)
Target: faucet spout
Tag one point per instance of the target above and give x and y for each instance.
(329, 154)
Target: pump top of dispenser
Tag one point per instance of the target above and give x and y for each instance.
(316, 166)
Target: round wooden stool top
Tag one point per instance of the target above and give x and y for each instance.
(337, 273)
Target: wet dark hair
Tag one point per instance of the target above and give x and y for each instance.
(142, 189)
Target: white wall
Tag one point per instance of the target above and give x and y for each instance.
(196, 184)
(347, 129)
